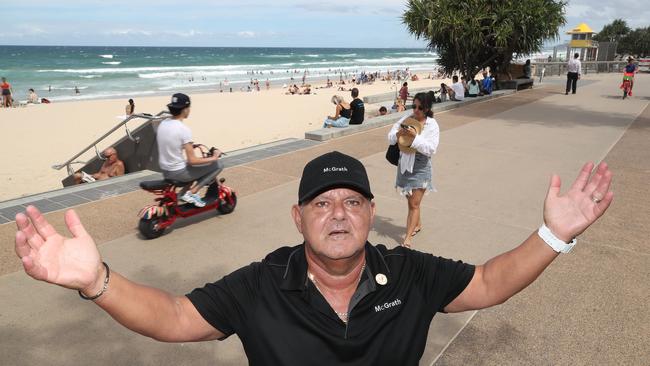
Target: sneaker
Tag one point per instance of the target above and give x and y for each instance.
(192, 198)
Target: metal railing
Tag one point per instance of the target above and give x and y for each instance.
(68, 164)
(560, 68)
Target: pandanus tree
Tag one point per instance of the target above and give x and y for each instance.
(470, 35)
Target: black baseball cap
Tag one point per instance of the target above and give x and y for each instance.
(333, 170)
(179, 101)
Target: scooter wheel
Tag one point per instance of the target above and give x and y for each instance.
(227, 207)
(148, 228)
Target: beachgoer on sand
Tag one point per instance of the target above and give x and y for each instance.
(334, 299)
(404, 92)
(7, 94)
(174, 138)
(32, 97)
(130, 107)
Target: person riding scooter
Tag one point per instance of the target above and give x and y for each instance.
(628, 74)
(174, 138)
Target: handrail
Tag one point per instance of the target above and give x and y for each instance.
(148, 117)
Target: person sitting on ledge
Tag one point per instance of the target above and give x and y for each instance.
(112, 167)
(486, 84)
(474, 89)
(457, 90)
(342, 114)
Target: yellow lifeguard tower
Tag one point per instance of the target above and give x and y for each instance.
(582, 43)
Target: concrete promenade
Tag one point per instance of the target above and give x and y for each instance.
(492, 171)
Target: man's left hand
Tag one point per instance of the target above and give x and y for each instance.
(570, 214)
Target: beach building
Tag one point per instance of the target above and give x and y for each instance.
(582, 42)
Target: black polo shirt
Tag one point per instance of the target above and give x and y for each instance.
(282, 319)
(358, 111)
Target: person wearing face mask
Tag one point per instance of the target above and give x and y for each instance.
(418, 136)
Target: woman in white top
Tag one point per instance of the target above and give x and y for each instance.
(414, 176)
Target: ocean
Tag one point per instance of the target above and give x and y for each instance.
(57, 72)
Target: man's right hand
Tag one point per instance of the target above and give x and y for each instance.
(48, 256)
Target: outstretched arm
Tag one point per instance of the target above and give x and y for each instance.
(75, 263)
(567, 216)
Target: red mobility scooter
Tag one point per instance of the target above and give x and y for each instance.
(155, 218)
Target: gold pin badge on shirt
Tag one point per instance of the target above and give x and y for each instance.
(381, 279)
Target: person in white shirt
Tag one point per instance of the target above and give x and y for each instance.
(458, 88)
(174, 138)
(574, 70)
(414, 177)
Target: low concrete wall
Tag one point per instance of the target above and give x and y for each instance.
(324, 134)
(378, 98)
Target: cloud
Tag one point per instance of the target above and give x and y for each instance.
(247, 34)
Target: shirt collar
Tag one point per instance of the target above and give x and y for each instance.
(295, 273)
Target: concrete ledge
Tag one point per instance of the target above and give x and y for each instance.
(325, 134)
(377, 98)
(516, 84)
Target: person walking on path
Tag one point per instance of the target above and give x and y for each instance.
(417, 144)
(574, 70)
(335, 298)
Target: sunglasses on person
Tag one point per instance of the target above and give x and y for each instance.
(414, 106)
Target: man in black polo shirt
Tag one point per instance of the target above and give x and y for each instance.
(358, 110)
(335, 299)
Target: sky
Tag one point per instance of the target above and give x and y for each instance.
(246, 23)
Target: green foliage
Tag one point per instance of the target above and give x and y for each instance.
(472, 34)
(632, 42)
(637, 42)
(613, 32)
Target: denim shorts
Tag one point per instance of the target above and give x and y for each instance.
(419, 178)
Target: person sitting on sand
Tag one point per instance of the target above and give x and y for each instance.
(342, 114)
(32, 97)
(112, 167)
(130, 108)
(293, 89)
(305, 90)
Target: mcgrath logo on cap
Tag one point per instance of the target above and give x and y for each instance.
(335, 169)
(174, 99)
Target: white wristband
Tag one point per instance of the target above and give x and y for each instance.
(556, 244)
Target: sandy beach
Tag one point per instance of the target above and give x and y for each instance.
(39, 136)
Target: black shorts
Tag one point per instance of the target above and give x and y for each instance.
(6, 92)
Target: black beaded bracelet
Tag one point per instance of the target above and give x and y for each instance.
(104, 288)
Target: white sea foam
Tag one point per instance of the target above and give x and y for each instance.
(122, 70)
(106, 56)
(112, 62)
(90, 76)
